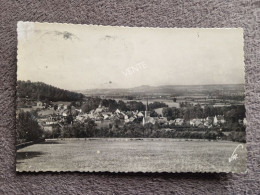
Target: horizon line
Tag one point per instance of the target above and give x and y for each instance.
(132, 87)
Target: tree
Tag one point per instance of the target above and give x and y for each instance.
(148, 128)
(105, 102)
(167, 112)
(90, 104)
(171, 113)
(57, 131)
(207, 111)
(198, 111)
(55, 107)
(69, 119)
(112, 105)
(153, 114)
(155, 105)
(235, 113)
(175, 113)
(122, 106)
(27, 127)
(134, 105)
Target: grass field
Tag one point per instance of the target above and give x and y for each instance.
(132, 155)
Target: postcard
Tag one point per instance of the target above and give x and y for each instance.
(94, 98)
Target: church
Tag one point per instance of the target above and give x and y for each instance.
(147, 118)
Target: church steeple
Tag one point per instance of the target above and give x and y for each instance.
(146, 104)
(146, 113)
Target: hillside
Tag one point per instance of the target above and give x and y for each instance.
(42, 91)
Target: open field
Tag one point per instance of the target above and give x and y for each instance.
(121, 155)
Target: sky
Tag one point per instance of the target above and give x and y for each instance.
(78, 57)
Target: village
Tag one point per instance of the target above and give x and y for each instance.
(57, 115)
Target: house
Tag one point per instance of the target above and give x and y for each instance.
(218, 120)
(42, 119)
(148, 119)
(82, 118)
(65, 112)
(106, 115)
(135, 113)
(39, 104)
(208, 124)
(140, 114)
(159, 111)
(192, 122)
(221, 119)
(171, 122)
(98, 117)
(51, 120)
(179, 121)
(91, 115)
(162, 120)
(131, 119)
(78, 110)
(60, 106)
(117, 111)
(79, 118)
(114, 117)
(120, 115)
(101, 109)
(196, 122)
(209, 119)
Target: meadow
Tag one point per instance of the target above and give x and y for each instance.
(132, 155)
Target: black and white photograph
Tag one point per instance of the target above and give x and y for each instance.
(94, 98)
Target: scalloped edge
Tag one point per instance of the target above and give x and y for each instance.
(122, 26)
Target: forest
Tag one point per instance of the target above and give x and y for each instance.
(42, 91)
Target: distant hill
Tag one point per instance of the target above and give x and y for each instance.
(168, 89)
(42, 91)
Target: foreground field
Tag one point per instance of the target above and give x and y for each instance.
(132, 155)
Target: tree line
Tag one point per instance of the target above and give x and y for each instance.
(137, 130)
(112, 105)
(231, 113)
